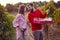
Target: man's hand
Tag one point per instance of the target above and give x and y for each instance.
(47, 11)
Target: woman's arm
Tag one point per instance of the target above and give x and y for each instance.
(15, 21)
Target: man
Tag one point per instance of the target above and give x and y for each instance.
(36, 28)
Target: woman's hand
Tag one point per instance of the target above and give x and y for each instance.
(17, 26)
(23, 30)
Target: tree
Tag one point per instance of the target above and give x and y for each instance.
(9, 7)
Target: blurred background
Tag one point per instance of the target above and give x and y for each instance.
(9, 8)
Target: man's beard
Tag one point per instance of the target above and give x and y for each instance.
(31, 10)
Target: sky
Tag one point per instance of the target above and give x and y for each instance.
(4, 2)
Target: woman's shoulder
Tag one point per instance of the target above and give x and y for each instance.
(18, 14)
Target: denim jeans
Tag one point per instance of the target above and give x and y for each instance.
(38, 35)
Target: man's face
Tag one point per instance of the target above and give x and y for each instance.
(30, 7)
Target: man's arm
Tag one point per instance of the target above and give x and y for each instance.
(42, 15)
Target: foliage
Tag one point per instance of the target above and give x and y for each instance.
(57, 16)
(6, 27)
(53, 11)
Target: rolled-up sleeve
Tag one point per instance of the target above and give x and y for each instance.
(16, 21)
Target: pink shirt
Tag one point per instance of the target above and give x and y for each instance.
(20, 21)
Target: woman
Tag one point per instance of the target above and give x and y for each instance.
(20, 23)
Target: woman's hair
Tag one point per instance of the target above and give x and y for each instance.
(21, 9)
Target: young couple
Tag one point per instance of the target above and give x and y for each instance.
(21, 23)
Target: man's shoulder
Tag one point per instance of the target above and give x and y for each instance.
(29, 13)
(38, 10)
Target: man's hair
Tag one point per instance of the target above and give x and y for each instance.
(31, 4)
